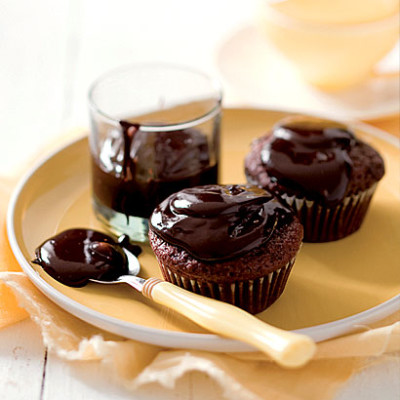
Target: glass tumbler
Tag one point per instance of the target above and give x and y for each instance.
(155, 129)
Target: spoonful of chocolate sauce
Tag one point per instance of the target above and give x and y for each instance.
(77, 257)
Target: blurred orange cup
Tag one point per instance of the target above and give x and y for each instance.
(329, 55)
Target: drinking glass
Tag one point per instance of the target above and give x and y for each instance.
(155, 129)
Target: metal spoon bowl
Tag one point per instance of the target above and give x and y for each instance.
(131, 278)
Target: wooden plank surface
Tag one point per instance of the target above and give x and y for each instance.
(22, 361)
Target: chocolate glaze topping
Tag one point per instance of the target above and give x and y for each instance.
(310, 156)
(76, 255)
(139, 169)
(216, 222)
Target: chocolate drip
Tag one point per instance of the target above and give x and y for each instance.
(125, 242)
(76, 255)
(128, 166)
(310, 157)
(216, 222)
(137, 171)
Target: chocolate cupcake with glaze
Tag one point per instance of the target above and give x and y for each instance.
(233, 243)
(321, 170)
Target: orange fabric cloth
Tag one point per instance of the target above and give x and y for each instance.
(10, 312)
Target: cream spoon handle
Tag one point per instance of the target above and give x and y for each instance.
(288, 349)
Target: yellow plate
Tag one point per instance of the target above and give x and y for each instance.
(333, 286)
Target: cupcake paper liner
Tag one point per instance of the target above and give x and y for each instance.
(253, 295)
(325, 224)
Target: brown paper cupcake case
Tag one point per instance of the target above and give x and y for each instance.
(325, 224)
(253, 295)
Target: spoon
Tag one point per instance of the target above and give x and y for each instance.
(77, 256)
(288, 349)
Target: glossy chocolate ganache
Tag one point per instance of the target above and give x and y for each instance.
(136, 170)
(74, 256)
(310, 156)
(219, 222)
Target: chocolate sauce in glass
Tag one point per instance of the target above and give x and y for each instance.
(74, 256)
(311, 157)
(137, 170)
(216, 222)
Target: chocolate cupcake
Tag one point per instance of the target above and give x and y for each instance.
(321, 170)
(233, 243)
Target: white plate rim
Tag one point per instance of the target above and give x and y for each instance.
(164, 338)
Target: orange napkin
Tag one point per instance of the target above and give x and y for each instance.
(10, 312)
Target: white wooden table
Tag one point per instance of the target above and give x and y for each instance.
(50, 51)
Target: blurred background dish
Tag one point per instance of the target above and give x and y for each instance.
(335, 12)
(255, 72)
(332, 44)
